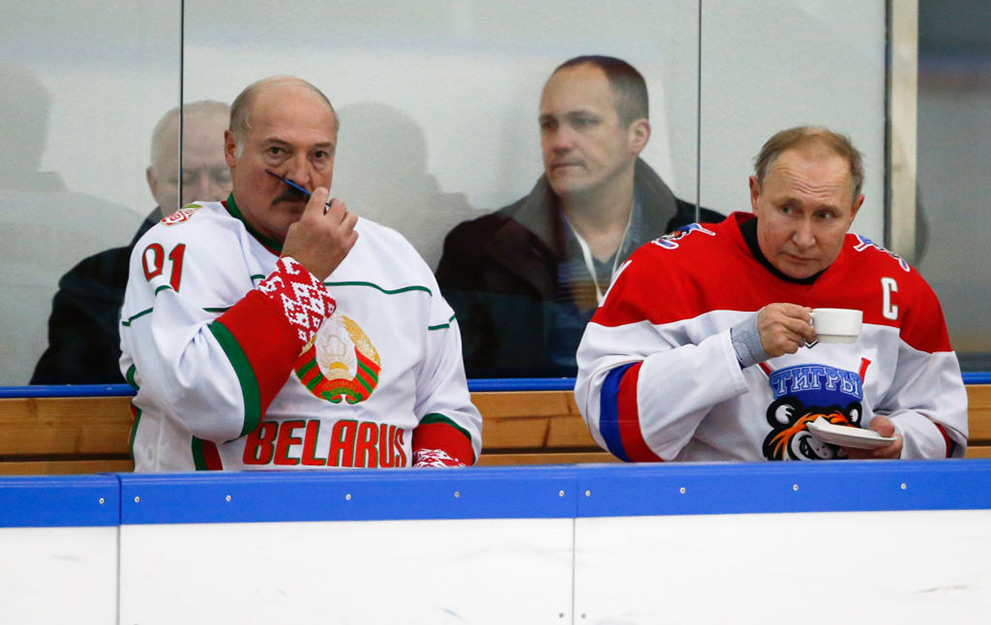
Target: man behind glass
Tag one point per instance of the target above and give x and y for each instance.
(83, 335)
(526, 279)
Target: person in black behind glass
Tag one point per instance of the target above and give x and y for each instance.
(525, 280)
(83, 334)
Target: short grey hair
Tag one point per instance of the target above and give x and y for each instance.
(807, 135)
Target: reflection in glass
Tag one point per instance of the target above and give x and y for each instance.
(83, 335)
(47, 227)
(525, 281)
(80, 88)
(954, 184)
(383, 170)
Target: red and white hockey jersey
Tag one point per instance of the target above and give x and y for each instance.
(242, 360)
(659, 379)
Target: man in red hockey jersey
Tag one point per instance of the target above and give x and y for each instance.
(704, 349)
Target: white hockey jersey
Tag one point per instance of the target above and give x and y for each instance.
(659, 379)
(241, 361)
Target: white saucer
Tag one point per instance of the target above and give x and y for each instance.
(848, 436)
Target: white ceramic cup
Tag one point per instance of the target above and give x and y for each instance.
(837, 325)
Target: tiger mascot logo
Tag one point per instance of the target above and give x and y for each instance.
(803, 394)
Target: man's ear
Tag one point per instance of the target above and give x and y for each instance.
(639, 135)
(152, 182)
(230, 148)
(754, 193)
(856, 207)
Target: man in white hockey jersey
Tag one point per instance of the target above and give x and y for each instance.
(276, 330)
(704, 351)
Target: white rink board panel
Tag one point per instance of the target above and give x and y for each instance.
(418, 572)
(829, 542)
(58, 575)
(857, 567)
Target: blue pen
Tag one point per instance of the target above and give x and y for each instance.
(289, 182)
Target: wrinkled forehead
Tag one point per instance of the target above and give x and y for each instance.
(811, 165)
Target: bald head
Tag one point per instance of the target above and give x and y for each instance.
(240, 120)
(204, 174)
(287, 127)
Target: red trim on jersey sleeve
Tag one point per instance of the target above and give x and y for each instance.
(211, 455)
(628, 419)
(206, 456)
(273, 323)
(946, 439)
(437, 432)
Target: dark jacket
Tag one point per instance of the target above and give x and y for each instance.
(500, 273)
(83, 330)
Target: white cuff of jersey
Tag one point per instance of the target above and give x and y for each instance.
(922, 440)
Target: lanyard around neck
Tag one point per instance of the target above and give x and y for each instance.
(600, 294)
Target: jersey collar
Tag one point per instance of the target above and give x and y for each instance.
(270, 244)
(749, 231)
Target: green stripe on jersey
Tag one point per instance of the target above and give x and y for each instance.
(137, 411)
(130, 377)
(245, 375)
(403, 289)
(268, 242)
(199, 460)
(127, 322)
(442, 325)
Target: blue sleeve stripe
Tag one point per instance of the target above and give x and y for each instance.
(609, 412)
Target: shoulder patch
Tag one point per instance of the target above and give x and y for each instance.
(863, 243)
(181, 215)
(670, 241)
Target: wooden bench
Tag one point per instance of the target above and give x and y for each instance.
(62, 435)
(979, 420)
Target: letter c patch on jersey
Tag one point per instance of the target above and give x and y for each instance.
(889, 286)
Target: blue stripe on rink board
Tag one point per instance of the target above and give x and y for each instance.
(66, 390)
(574, 491)
(116, 390)
(837, 486)
(63, 501)
(474, 385)
(521, 384)
(977, 377)
(350, 495)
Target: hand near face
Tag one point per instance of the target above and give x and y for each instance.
(883, 426)
(784, 328)
(320, 241)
